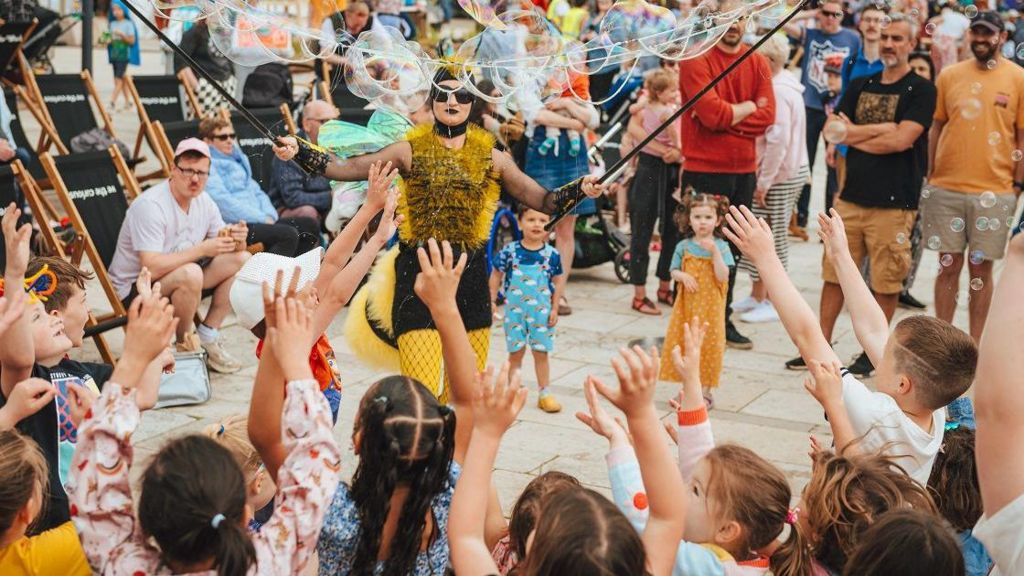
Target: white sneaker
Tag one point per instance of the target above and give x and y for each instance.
(763, 312)
(745, 305)
(219, 360)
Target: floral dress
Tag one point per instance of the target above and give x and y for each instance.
(708, 304)
(101, 495)
(340, 534)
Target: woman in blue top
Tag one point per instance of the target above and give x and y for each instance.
(240, 198)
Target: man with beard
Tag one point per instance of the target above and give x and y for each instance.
(452, 175)
(828, 38)
(976, 170)
(885, 117)
(719, 136)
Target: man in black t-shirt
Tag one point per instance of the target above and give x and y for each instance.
(885, 118)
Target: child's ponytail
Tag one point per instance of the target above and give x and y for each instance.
(193, 506)
(793, 556)
(233, 548)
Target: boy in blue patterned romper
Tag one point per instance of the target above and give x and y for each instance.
(533, 282)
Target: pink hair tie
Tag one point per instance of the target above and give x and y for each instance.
(792, 516)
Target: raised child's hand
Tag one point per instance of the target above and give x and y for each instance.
(270, 295)
(380, 178)
(27, 398)
(496, 407)
(687, 361)
(833, 234)
(825, 383)
(438, 280)
(290, 337)
(151, 323)
(16, 241)
(599, 420)
(12, 307)
(80, 400)
(389, 222)
(752, 235)
(637, 372)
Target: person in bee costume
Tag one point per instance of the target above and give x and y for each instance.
(451, 177)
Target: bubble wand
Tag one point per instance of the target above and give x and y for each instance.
(575, 188)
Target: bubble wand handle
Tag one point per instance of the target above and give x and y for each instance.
(575, 188)
(199, 70)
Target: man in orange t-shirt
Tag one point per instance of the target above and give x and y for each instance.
(975, 168)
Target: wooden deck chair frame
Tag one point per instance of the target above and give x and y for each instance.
(118, 316)
(17, 52)
(48, 137)
(289, 120)
(42, 210)
(146, 134)
(164, 147)
(190, 95)
(45, 118)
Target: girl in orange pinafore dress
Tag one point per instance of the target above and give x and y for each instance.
(700, 268)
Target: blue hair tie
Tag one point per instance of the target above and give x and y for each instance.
(216, 520)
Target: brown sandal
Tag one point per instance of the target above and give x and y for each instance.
(645, 306)
(667, 296)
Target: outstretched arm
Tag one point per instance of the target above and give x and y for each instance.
(352, 169)
(17, 353)
(753, 237)
(869, 321)
(529, 192)
(999, 405)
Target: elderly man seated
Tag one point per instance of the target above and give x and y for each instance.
(177, 233)
(293, 192)
(241, 199)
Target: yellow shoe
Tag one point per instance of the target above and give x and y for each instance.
(548, 404)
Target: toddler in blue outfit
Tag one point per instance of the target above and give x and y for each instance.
(530, 271)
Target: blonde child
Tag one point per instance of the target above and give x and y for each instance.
(531, 272)
(233, 433)
(651, 192)
(700, 267)
(738, 502)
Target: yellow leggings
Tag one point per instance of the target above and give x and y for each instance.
(420, 357)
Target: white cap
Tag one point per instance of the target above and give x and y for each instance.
(247, 291)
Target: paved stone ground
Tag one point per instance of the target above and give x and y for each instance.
(759, 405)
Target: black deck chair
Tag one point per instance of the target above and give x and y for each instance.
(90, 189)
(168, 135)
(255, 145)
(21, 139)
(12, 36)
(157, 99)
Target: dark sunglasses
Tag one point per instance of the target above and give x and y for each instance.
(462, 96)
(832, 14)
(229, 136)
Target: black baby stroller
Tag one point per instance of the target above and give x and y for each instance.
(599, 241)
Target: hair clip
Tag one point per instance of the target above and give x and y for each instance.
(382, 400)
(216, 520)
(220, 432)
(792, 516)
(39, 286)
(952, 425)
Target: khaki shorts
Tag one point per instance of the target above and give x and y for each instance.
(954, 221)
(882, 235)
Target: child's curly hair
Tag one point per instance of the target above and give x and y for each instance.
(692, 199)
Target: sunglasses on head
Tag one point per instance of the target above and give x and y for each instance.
(462, 96)
(228, 136)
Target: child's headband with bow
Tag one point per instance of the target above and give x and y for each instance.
(39, 286)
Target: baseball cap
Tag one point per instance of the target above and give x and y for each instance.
(246, 294)
(989, 19)
(192, 145)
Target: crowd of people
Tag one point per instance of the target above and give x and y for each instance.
(922, 150)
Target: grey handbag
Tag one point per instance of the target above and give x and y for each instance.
(189, 384)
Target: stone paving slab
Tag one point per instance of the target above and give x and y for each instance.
(760, 404)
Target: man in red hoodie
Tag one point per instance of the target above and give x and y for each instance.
(719, 133)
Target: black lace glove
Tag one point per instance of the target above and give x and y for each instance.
(312, 158)
(562, 200)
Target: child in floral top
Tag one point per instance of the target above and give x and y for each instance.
(192, 510)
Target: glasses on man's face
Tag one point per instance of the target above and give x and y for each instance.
(223, 137)
(191, 173)
(836, 15)
(462, 96)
